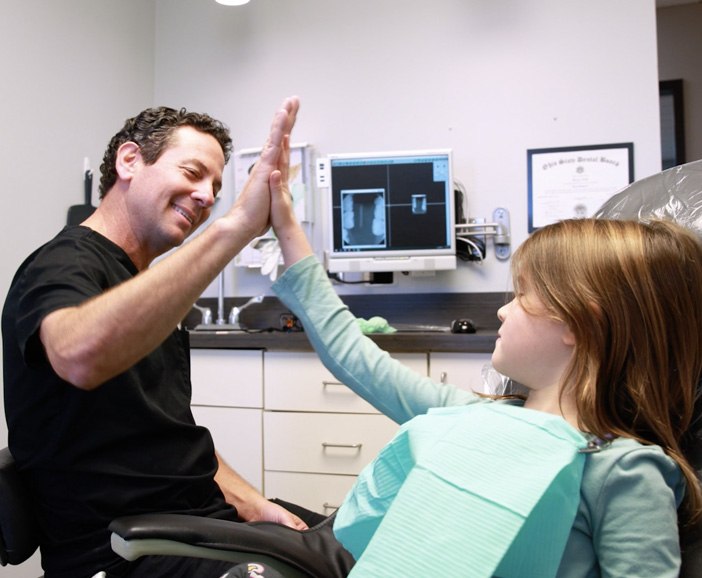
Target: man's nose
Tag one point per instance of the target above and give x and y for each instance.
(205, 196)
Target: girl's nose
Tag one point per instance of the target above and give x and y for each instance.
(502, 311)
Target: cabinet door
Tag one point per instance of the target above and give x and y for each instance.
(461, 369)
(323, 442)
(227, 378)
(238, 438)
(299, 382)
(322, 493)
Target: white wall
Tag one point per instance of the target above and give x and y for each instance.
(72, 71)
(488, 79)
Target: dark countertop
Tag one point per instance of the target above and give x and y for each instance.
(400, 342)
(435, 310)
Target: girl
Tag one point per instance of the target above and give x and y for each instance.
(605, 332)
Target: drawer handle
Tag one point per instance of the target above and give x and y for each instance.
(347, 446)
(326, 383)
(327, 506)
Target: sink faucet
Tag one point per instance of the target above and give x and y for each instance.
(206, 313)
(236, 311)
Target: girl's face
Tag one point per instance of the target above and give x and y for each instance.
(532, 348)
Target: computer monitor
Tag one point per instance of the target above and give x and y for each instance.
(390, 211)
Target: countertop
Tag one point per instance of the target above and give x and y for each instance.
(400, 342)
(400, 310)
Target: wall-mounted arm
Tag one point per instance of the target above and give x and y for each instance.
(499, 230)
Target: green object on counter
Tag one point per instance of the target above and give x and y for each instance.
(375, 325)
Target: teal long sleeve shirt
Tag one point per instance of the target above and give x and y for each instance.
(626, 524)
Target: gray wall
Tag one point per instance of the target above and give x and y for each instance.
(679, 50)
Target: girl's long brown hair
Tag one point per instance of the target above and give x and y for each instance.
(631, 293)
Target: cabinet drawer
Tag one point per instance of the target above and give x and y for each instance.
(299, 382)
(228, 378)
(323, 442)
(322, 493)
(463, 370)
(238, 438)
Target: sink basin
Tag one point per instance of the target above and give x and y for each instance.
(214, 328)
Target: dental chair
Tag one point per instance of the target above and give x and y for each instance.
(18, 529)
(294, 554)
(674, 194)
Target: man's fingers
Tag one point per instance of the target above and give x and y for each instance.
(283, 122)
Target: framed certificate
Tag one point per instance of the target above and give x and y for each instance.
(571, 182)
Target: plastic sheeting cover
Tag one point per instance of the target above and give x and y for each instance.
(674, 194)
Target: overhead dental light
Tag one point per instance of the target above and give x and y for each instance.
(232, 2)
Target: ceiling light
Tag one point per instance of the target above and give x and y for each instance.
(232, 2)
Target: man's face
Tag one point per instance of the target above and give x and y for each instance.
(171, 198)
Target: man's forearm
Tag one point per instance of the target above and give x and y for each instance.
(89, 344)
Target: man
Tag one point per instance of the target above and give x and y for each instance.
(96, 373)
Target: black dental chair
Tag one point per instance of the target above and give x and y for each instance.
(674, 194)
(294, 554)
(18, 530)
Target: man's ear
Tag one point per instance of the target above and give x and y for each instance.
(128, 156)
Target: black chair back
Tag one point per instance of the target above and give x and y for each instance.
(18, 527)
(691, 537)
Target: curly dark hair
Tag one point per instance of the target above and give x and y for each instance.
(153, 129)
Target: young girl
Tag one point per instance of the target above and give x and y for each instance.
(605, 332)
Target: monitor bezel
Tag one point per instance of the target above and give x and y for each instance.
(416, 259)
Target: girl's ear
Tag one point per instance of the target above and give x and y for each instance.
(568, 336)
(127, 156)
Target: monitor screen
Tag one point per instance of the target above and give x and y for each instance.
(391, 211)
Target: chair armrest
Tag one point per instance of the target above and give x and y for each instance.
(312, 553)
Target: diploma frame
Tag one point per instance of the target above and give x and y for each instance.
(567, 182)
